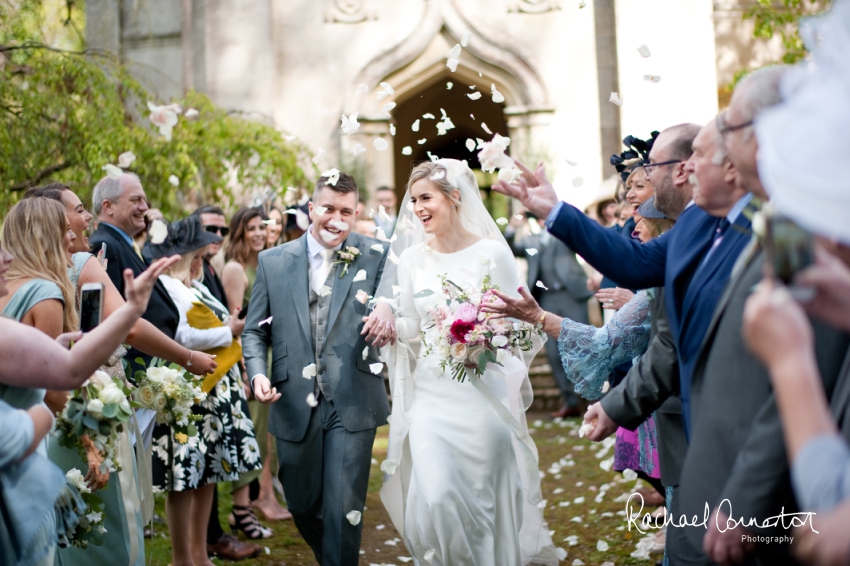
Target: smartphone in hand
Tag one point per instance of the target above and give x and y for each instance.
(91, 306)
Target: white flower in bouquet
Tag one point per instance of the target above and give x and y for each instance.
(475, 352)
(145, 396)
(156, 374)
(160, 402)
(77, 479)
(100, 379)
(459, 351)
(125, 405)
(95, 407)
(111, 394)
(500, 325)
(94, 517)
(502, 356)
(499, 341)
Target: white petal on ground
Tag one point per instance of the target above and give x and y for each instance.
(578, 500)
(357, 150)
(325, 291)
(318, 156)
(449, 85)
(365, 353)
(455, 52)
(311, 400)
(112, 171)
(576, 519)
(616, 99)
(429, 555)
(309, 371)
(498, 97)
(502, 221)
(158, 231)
(405, 559)
(452, 64)
(332, 176)
(407, 150)
(561, 553)
(353, 517)
(422, 141)
(572, 540)
(380, 144)
(265, 321)
(578, 562)
(577, 182)
(360, 276)
(429, 116)
(644, 51)
(485, 128)
(415, 125)
(191, 114)
(474, 95)
(126, 159)
(362, 87)
(350, 124)
(531, 251)
(601, 546)
(391, 542)
(630, 474)
(541, 285)
(652, 78)
(606, 464)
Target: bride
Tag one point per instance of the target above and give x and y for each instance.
(462, 481)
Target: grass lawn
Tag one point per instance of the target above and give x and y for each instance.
(581, 502)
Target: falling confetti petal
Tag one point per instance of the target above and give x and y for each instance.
(498, 97)
(644, 51)
(616, 99)
(309, 372)
(439, 174)
(485, 128)
(378, 248)
(365, 353)
(464, 41)
(541, 285)
(444, 126)
(531, 251)
(502, 221)
(357, 150)
(380, 144)
(353, 517)
(173, 180)
(385, 110)
(474, 95)
(318, 156)
(320, 210)
(360, 275)
(332, 176)
(605, 387)
(406, 150)
(311, 400)
(570, 163)
(325, 291)
(350, 124)
(455, 52)
(492, 156)
(509, 174)
(290, 138)
(301, 219)
(126, 159)
(582, 4)
(429, 116)
(363, 87)
(429, 555)
(158, 231)
(191, 114)
(386, 90)
(452, 64)
(449, 85)
(470, 144)
(392, 129)
(265, 321)
(578, 181)
(422, 141)
(112, 171)
(652, 78)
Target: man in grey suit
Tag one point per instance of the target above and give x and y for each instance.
(555, 265)
(327, 392)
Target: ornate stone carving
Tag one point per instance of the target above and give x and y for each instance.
(533, 6)
(348, 11)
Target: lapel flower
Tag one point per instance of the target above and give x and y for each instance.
(346, 257)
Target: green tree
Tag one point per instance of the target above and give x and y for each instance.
(67, 111)
(783, 17)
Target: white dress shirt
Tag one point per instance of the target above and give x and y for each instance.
(314, 255)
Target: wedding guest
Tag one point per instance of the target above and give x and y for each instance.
(214, 221)
(385, 197)
(274, 228)
(365, 226)
(247, 240)
(188, 467)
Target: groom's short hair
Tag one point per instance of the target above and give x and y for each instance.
(345, 184)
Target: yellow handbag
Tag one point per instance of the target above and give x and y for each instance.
(200, 316)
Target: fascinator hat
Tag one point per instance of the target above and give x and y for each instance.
(802, 157)
(637, 153)
(183, 236)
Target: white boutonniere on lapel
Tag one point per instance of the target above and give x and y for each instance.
(346, 257)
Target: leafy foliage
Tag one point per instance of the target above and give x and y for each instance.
(67, 112)
(783, 17)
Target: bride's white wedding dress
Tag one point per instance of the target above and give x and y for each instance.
(459, 452)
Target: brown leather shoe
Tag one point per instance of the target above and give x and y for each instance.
(231, 548)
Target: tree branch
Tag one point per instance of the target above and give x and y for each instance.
(47, 171)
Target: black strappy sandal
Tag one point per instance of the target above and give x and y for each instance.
(243, 519)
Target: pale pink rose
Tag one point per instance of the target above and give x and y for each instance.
(362, 296)
(467, 313)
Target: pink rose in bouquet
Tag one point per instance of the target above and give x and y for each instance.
(467, 312)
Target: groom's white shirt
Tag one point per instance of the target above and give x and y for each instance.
(314, 255)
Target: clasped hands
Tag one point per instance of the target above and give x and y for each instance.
(379, 329)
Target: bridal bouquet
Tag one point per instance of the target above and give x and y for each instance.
(97, 409)
(171, 392)
(468, 339)
(89, 527)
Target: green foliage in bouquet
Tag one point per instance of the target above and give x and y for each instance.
(171, 391)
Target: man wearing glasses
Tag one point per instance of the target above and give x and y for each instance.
(213, 220)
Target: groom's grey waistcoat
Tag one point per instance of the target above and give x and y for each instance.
(282, 291)
(320, 307)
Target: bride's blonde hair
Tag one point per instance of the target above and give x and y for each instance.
(438, 176)
(34, 232)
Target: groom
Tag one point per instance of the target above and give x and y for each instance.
(326, 402)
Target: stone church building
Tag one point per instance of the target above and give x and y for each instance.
(300, 64)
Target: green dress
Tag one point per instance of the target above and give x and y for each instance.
(116, 548)
(26, 297)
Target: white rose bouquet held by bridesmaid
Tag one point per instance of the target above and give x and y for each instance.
(467, 338)
(171, 392)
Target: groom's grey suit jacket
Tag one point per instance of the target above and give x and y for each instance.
(281, 290)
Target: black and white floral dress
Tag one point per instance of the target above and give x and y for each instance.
(225, 446)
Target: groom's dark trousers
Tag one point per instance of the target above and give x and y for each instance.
(325, 476)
